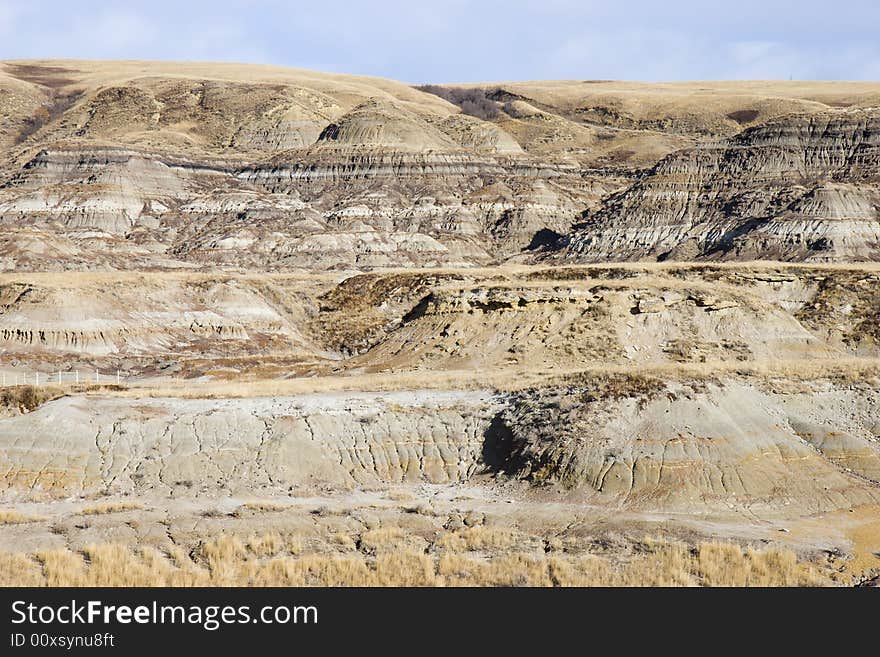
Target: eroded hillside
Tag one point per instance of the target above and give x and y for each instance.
(144, 165)
(268, 325)
(701, 401)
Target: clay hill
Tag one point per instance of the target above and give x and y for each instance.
(145, 165)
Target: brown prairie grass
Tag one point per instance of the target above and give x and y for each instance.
(384, 540)
(13, 517)
(28, 398)
(273, 560)
(274, 544)
(478, 538)
(343, 541)
(20, 570)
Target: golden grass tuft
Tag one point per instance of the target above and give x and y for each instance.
(111, 507)
(20, 570)
(260, 506)
(61, 567)
(344, 541)
(13, 517)
(266, 545)
(391, 539)
(477, 538)
(723, 564)
(506, 570)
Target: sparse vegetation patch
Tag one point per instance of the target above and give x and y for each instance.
(473, 101)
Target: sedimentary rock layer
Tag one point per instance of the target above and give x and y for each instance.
(796, 188)
(123, 165)
(621, 441)
(533, 319)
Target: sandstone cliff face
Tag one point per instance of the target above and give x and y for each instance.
(796, 188)
(157, 327)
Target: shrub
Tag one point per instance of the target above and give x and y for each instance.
(110, 507)
(472, 101)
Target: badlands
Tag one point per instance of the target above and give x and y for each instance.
(270, 326)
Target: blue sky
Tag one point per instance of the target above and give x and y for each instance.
(464, 40)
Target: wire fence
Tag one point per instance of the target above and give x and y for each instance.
(60, 378)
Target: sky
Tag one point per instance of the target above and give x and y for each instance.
(466, 41)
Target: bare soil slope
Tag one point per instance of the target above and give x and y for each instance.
(698, 401)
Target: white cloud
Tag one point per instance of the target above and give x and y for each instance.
(462, 40)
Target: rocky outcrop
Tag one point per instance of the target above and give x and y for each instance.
(796, 188)
(325, 208)
(560, 327)
(191, 447)
(682, 447)
(326, 174)
(375, 124)
(110, 190)
(141, 318)
(617, 441)
(548, 319)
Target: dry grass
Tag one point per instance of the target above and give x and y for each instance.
(478, 538)
(274, 560)
(400, 496)
(28, 398)
(390, 540)
(325, 280)
(259, 506)
(110, 507)
(274, 544)
(20, 570)
(343, 541)
(507, 379)
(501, 379)
(13, 517)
